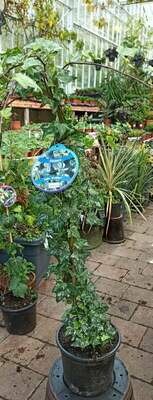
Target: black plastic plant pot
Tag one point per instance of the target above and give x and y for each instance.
(20, 321)
(93, 237)
(84, 376)
(150, 62)
(113, 229)
(3, 256)
(112, 58)
(138, 60)
(35, 252)
(97, 64)
(111, 53)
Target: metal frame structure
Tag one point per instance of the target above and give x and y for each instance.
(96, 40)
(74, 16)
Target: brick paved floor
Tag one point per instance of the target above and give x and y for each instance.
(124, 277)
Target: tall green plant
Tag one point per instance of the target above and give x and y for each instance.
(116, 174)
(142, 178)
(85, 321)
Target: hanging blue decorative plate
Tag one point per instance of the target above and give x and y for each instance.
(7, 195)
(55, 170)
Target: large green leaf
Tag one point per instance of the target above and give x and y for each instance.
(64, 77)
(14, 60)
(25, 81)
(44, 44)
(1, 69)
(30, 63)
(127, 51)
(6, 113)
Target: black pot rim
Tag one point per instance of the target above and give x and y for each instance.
(88, 360)
(6, 309)
(35, 242)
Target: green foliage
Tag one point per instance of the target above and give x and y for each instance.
(73, 282)
(116, 171)
(149, 128)
(39, 18)
(142, 177)
(25, 81)
(32, 71)
(133, 34)
(136, 133)
(87, 321)
(16, 145)
(17, 269)
(125, 99)
(135, 47)
(113, 135)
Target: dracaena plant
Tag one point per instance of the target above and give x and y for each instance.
(85, 322)
(116, 171)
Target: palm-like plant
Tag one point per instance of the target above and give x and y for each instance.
(116, 171)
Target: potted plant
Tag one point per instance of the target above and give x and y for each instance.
(98, 59)
(111, 53)
(150, 62)
(142, 176)
(98, 63)
(87, 340)
(15, 123)
(138, 60)
(27, 224)
(116, 174)
(92, 216)
(18, 297)
(107, 116)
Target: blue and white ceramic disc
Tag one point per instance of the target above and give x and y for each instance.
(55, 170)
(7, 195)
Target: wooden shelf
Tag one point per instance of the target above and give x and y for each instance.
(85, 109)
(28, 104)
(39, 106)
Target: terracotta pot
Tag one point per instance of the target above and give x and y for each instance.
(107, 121)
(15, 125)
(35, 152)
(93, 103)
(149, 122)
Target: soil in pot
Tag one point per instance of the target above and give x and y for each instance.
(19, 315)
(113, 229)
(87, 373)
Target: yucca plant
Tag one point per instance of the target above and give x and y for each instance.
(116, 171)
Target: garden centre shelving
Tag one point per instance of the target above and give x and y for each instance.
(28, 105)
